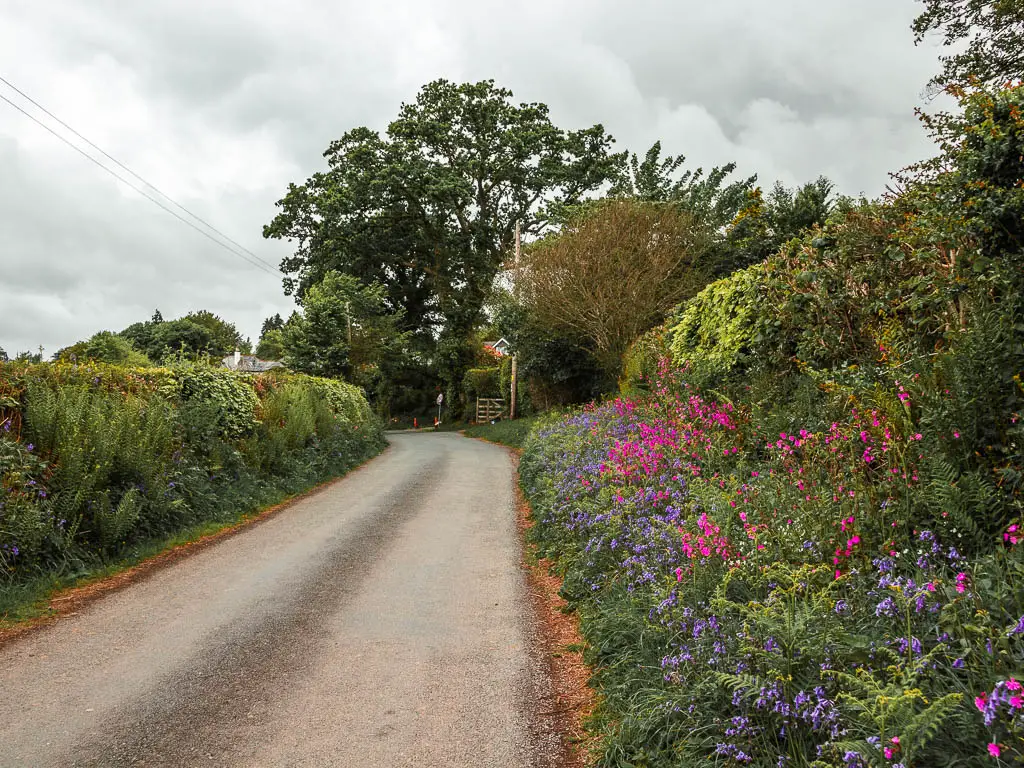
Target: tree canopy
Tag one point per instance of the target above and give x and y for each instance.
(614, 272)
(989, 33)
(197, 333)
(428, 210)
(344, 329)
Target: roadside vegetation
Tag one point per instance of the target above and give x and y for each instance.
(100, 464)
(797, 542)
(506, 432)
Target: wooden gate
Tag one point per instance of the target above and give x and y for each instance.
(488, 408)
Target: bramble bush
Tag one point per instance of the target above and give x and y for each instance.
(97, 460)
(802, 545)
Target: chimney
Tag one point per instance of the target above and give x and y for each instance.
(238, 357)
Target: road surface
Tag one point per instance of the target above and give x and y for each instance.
(381, 622)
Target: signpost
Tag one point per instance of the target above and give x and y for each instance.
(440, 399)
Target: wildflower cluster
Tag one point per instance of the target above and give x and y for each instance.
(796, 610)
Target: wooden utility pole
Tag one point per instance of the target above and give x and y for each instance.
(515, 372)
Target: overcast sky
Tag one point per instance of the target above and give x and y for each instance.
(222, 104)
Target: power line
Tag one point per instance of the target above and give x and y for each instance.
(242, 252)
(117, 162)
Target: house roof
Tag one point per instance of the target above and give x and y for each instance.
(499, 346)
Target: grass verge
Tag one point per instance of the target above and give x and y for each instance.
(504, 432)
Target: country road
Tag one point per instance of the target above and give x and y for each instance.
(384, 621)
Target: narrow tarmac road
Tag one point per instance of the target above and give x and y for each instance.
(381, 622)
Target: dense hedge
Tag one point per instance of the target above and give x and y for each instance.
(481, 382)
(802, 546)
(96, 459)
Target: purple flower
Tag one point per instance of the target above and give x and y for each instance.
(886, 607)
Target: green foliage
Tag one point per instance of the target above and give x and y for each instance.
(505, 431)
(224, 336)
(105, 347)
(613, 272)
(428, 210)
(116, 350)
(197, 334)
(98, 460)
(481, 382)
(763, 225)
(215, 402)
(719, 330)
(554, 368)
(708, 198)
(273, 323)
(271, 345)
(993, 31)
(643, 361)
(23, 511)
(109, 449)
(344, 329)
(805, 549)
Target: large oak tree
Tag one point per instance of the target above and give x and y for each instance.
(428, 210)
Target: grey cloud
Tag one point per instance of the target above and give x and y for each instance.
(223, 104)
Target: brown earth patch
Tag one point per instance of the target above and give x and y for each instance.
(561, 647)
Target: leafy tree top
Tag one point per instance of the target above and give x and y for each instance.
(709, 198)
(989, 32)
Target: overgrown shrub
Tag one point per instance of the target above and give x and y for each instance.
(642, 361)
(719, 330)
(802, 546)
(96, 459)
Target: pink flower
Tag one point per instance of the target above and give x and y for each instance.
(979, 701)
(679, 574)
(993, 749)
(895, 739)
(888, 753)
